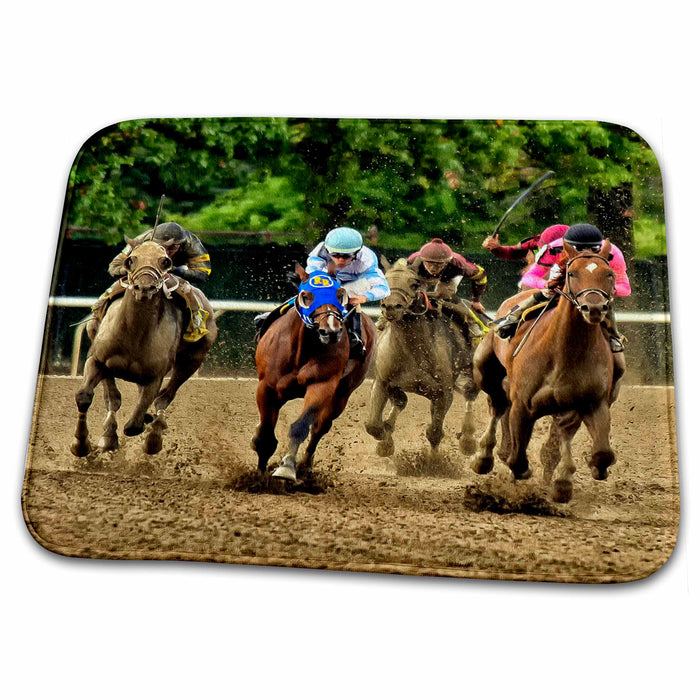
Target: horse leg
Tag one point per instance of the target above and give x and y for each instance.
(619, 367)
(92, 376)
(438, 410)
(317, 409)
(564, 427)
(506, 446)
(374, 424)
(264, 441)
(147, 393)
(467, 442)
(550, 453)
(113, 401)
(184, 368)
(521, 425)
(399, 400)
(489, 374)
(598, 424)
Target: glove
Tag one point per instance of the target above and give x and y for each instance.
(180, 270)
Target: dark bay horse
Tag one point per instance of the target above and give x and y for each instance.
(565, 369)
(422, 353)
(309, 360)
(140, 340)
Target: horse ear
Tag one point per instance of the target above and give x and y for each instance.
(343, 296)
(331, 268)
(306, 298)
(131, 242)
(605, 250)
(570, 251)
(384, 262)
(301, 272)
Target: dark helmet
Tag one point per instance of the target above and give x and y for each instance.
(170, 232)
(436, 251)
(584, 237)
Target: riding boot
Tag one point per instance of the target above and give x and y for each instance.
(100, 306)
(260, 319)
(357, 347)
(615, 338)
(197, 326)
(505, 327)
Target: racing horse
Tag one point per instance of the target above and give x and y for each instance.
(140, 340)
(565, 368)
(305, 354)
(421, 352)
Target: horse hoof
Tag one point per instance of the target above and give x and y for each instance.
(285, 472)
(522, 476)
(108, 444)
(482, 465)
(385, 448)
(599, 473)
(153, 444)
(80, 449)
(562, 491)
(132, 430)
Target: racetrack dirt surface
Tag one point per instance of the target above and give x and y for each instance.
(374, 514)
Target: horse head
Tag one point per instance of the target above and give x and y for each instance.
(590, 282)
(147, 266)
(321, 303)
(406, 293)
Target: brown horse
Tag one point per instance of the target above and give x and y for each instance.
(308, 360)
(422, 353)
(140, 340)
(565, 369)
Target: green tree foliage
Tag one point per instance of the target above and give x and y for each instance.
(411, 178)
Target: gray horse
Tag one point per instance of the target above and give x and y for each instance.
(140, 340)
(420, 352)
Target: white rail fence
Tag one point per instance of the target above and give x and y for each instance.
(221, 306)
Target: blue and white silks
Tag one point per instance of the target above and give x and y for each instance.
(361, 276)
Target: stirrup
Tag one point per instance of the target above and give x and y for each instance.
(506, 327)
(358, 351)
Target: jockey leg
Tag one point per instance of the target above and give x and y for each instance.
(505, 327)
(357, 346)
(616, 339)
(100, 307)
(197, 326)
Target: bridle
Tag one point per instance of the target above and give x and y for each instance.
(574, 298)
(411, 301)
(157, 275)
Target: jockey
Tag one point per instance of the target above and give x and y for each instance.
(191, 264)
(520, 250)
(580, 237)
(436, 264)
(357, 271)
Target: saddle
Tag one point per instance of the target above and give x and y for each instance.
(264, 321)
(474, 322)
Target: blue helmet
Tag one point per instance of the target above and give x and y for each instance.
(343, 240)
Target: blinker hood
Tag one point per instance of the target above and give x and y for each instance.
(325, 291)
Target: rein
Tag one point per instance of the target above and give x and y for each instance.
(411, 301)
(153, 272)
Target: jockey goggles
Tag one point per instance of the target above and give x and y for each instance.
(325, 291)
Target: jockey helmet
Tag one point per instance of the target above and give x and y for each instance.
(343, 240)
(553, 233)
(436, 251)
(168, 232)
(584, 237)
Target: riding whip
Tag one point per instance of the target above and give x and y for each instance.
(532, 188)
(529, 330)
(160, 209)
